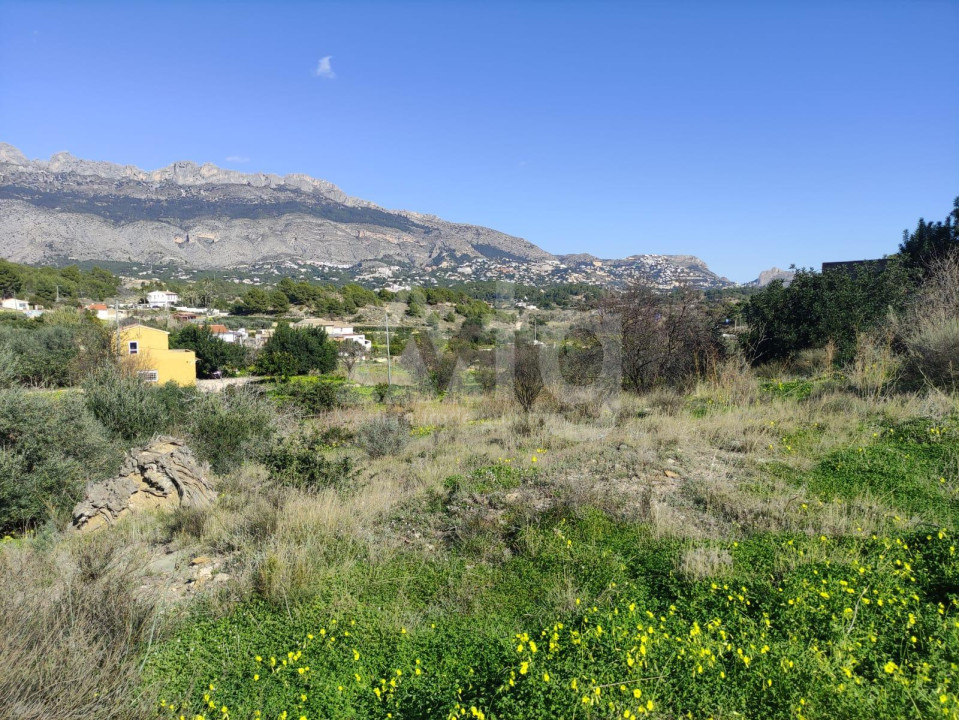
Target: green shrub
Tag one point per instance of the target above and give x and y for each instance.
(381, 391)
(314, 395)
(384, 435)
(212, 353)
(134, 410)
(222, 428)
(232, 426)
(51, 354)
(50, 447)
(299, 462)
(297, 352)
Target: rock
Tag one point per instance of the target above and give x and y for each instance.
(670, 474)
(733, 445)
(166, 564)
(161, 474)
(201, 560)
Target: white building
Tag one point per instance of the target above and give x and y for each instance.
(226, 335)
(337, 332)
(14, 304)
(162, 298)
(106, 313)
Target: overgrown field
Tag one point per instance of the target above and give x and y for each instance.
(767, 551)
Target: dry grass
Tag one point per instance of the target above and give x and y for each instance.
(74, 625)
(78, 612)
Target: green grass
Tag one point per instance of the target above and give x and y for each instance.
(910, 468)
(580, 615)
(587, 612)
(490, 479)
(788, 389)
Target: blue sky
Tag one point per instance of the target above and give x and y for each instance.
(749, 134)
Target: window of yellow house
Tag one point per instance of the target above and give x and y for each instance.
(149, 375)
(134, 347)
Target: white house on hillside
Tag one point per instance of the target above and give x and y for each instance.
(14, 304)
(162, 298)
(337, 332)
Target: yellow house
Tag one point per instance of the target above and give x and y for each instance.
(148, 350)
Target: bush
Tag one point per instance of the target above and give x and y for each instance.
(434, 370)
(934, 354)
(875, 366)
(314, 395)
(222, 428)
(47, 354)
(930, 332)
(297, 352)
(50, 447)
(384, 435)
(381, 391)
(817, 308)
(134, 410)
(212, 353)
(299, 462)
(229, 427)
(666, 339)
(527, 378)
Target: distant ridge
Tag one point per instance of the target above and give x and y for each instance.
(206, 217)
(773, 273)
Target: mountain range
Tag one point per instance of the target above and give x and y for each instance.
(67, 209)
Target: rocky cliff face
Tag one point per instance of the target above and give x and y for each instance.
(203, 216)
(773, 273)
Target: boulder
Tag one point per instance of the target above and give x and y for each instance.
(161, 474)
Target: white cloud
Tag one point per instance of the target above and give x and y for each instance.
(324, 69)
(237, 159)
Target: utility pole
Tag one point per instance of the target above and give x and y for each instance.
(116, 316)
(389, 369)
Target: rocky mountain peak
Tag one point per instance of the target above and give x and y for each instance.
(204, 216)
(10, 155)
(773, 273)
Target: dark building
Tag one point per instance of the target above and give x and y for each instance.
(855, 266)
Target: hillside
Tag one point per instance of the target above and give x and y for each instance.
(204, 217)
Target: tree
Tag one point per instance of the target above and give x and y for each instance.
(11, 279)
(256, 301)
(413, 308)
(351, 352)
(667, 339)
(297, 352)
(358, 296)
(581, 357)
(57, 352)
(279, 302)
(527, 378)
(931, 242)
(287, 286)
(212, 353)
(435, 370)
(818, 307)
